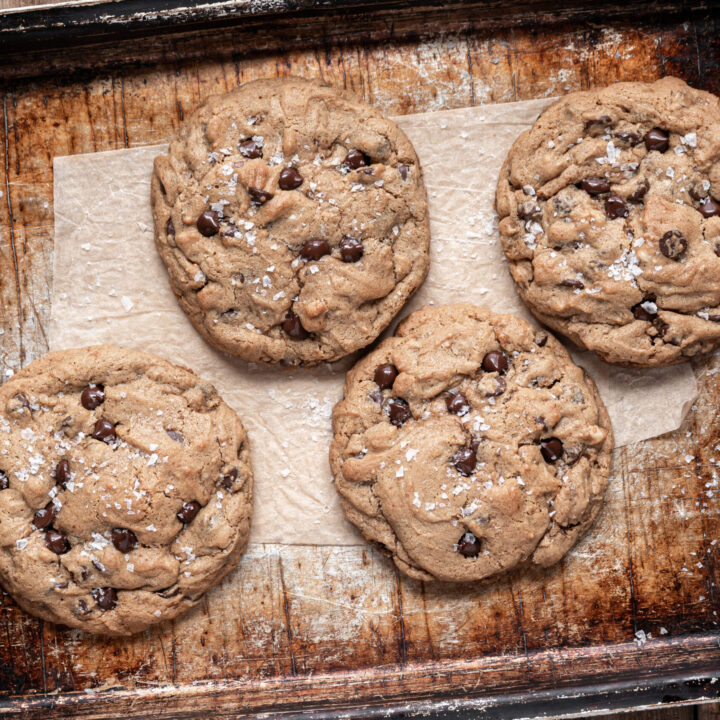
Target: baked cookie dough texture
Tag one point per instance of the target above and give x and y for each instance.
(610, 218)
(470, 444)
(293, 221)
(125, 489)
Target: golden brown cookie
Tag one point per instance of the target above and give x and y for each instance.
(470, 444)
(125, 489)
(610, 218)
(292, 219)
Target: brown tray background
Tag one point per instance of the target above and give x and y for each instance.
(305, 630)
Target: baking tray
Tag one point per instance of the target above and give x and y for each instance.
(628, 620)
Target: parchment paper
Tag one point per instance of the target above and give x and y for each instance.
(111, 287)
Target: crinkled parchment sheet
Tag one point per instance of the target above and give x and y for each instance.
(110, 286)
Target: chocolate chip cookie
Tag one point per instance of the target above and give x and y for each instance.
(470, 444)
(610, 218)
(125, 489)
(293, 221)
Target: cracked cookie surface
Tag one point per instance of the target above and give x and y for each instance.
(470, 444)
(125, 489)
(292, 219)
(609, 213)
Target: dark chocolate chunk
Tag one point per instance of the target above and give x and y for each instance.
(572, 283)
(106, 597)
(92, 397)
(293, 327)
(465, 460)
(673, 244)
(259, 197)
(61, 474)
(315, 249)
(355, 159)
(495, 361)
(709, 207)
(351, 249)
(105, 431)
(57, 541)
(657, 139)
(188, 511)
(640, 191)
(595, 185)
(44, 517)
(551, 449)
(251, 148)
(208, 224)
(290, 179)
(646, 310)
(398, 411)
(228, 480)
(469, 546)
(124, 540)
(385, 375)
(616, 207)
(457, 403)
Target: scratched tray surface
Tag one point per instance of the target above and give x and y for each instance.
(306, 627)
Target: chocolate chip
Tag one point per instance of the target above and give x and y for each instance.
(92, 397)
(709, 208)
(615, 207)
(124, 540)
(457, 403)
(290, 179)
(541, 340)
(293, 327)
(464, 460)
(627, 137)
(495, 361)
(528, 209)
(259, 197)
(500, 387)
(402, 169)
(44, 517)
(572, 283)
(228, 480)
(595, 185)
(645, 310)
(398, 411)
(208, 224)
(4, 482)
(597, 126)
(315, 249)
(657, 139)
(469, 546)
(61, 474)
(717, 249)
(170, 229)
(105, 431)
(385, 375)
(640, 191)
(188, 511)
(82, 607)
(176, 435)
(251, 148)
(351, 249)
(355, 159)
(673, 244)
(57, 541)
(697, 191)
(106, 598)
(551, 449)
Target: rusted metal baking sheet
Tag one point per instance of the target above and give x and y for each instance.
(628, 618)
